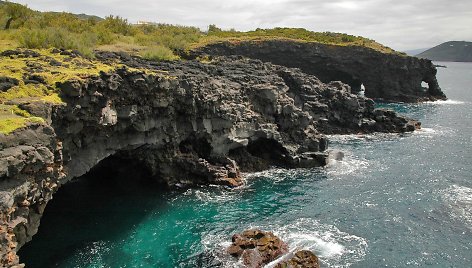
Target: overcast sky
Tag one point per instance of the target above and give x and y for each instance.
(400, 24)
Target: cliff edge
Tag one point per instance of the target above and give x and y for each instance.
(184, 122)
(385, 76)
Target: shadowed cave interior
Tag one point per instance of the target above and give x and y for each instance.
(102, 205)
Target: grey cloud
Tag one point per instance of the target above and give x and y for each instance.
(401, 24)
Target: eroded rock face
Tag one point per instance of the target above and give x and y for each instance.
(186, 122)
(30, 172)
(256, 248)
(389, 77)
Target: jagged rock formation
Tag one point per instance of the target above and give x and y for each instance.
(30, 172)
(185, 122)
(256, 248)
(389, 77)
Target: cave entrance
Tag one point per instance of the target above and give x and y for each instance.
(99, 207)
(270, 150)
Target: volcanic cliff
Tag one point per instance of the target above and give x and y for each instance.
(385, 76)
(186, 123)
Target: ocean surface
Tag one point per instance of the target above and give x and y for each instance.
(394, 201)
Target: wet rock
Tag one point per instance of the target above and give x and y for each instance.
(301, 259)
(256, 248)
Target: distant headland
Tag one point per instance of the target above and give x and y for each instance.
(460, 51)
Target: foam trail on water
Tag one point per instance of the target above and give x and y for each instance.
(459, 199)
(445, 102)
(347, 165)
(334, 248)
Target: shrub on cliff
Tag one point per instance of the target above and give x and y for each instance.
(116, 24)
(158, 53)
(58, 38)
(86, 33)
(171, 36)
(15, 13)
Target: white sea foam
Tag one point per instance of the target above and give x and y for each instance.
(459, 199)
(445, 102)
(374, 137)
(333, 247)
(217, 244)
(348, 165)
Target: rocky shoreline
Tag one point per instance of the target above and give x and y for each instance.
(385, 76)
(185, 122)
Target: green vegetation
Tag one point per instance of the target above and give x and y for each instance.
(158, 53)
(15, 13)
(12, 117)
(21, 27)
(11, 124)
(298, 34)
(32, 29)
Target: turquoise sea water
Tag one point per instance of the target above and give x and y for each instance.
(394, 201)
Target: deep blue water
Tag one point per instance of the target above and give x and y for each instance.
(395, 200)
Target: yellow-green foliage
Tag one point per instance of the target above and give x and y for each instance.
(32, 29)
(299, 34)
(16, 110)
(116, 24)
(75, 68)
(158, 53)
(11, 124)
(14, 15)
(171, 36)
(53, 98)
(59, 38)
(12, 117)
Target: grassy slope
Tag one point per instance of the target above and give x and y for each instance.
(44, 31)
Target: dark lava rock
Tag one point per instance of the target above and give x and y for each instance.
(34, 79)
(71, 88)
(301, 259)
(20, 53)
(186, 123)
(386, 76)
(54, 62)
(7, 82)
(256, 247)
(38, 108)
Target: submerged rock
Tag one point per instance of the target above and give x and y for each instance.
(256, 248)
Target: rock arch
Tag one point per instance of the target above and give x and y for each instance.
(387, 76)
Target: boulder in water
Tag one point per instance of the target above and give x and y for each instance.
(256, 247)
